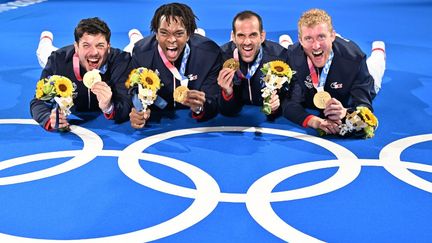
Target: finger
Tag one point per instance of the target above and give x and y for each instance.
(196, 95)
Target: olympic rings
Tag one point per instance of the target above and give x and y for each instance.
(92, 146)
(207, 194)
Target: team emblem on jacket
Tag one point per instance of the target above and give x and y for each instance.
(308, 82)
(336, 85)
(192, 77)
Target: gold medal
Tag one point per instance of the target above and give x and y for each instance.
(91, 77)
(320, 99)
(180, 93)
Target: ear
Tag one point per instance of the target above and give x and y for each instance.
(300, 39)
(333, 35)
(232, 35)
(76, 47)
(263, 36)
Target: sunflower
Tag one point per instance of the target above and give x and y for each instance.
(281, 69)
(150, 80)
(134, 77)
(39, 93)
(63, 85)
(368, 116)
(40, 84)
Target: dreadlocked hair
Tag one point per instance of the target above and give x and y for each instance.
(177, 12)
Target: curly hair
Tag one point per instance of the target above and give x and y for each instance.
(314, 17)
(174, 11)
(92, 26)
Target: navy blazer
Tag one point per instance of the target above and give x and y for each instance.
(348, 80)
(271, 51)
(118, 69)
(205, 61)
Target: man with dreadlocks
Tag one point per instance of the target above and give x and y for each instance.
(182, 59)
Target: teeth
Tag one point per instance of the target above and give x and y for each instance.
(316, 53)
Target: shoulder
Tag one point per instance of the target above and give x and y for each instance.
(347, 49)
(203, 44)
(148, 43)
(115, 54)
(272, 48)
(64, 53)
(228, 47)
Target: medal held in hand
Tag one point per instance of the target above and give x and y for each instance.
(91, 77)
(320, 99)
(180, 93)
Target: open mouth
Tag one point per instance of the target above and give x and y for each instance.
(247, 51)
(171, 52)
(317, 53)
(93, 63)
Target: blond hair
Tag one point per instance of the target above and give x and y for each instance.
(314, 17)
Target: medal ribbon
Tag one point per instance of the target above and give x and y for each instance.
(253, 68)
(178, 75)
(319, 84)
(76, 67)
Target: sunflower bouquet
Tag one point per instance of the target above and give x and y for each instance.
(57, 91)
(275, 75)
(143, 83)
(361, 123)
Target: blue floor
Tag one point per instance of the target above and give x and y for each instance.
(240, 179)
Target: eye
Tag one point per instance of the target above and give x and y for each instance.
(179, 34)
(307, 38)
(163, 33)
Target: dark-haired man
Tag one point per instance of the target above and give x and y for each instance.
(91, 50)
(251, 49)
(182, 58)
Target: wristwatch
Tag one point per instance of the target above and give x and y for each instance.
(198, 110)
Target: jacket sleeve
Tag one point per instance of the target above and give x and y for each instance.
(211, 89)
(39, 109)
(230, 106)
(121, 99)
(292, 104)
(362, 86)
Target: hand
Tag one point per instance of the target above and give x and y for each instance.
(139, 119)
(328, 126)
(334, 110)
(274, 101)
(225, 80)
(62, 119)
(195, 99)
(103, 94)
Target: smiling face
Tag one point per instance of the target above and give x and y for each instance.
(317, 42)
(92, 51)
(248, 38)
(172, 37)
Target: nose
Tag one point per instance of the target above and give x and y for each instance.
(247, 41)
(171, 38)
(316, 44)
(93, 50)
